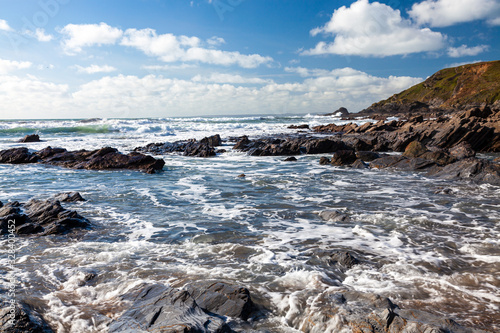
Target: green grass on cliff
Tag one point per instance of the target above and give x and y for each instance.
(459, 86)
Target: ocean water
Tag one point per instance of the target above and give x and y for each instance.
(198, 220)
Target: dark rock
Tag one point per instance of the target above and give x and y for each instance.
(193, 148)
(290, 159)
(343, 157)
(242, 175)
(157, 308)
(359, 164)
(440, 157)
(324, 160)
(304, 126)
(462, 150)
(26, 320)
(242, 143)
(386, 161)
(415, 149)
(367, 156)
(342, 112)
(334, 216)
(323, 146)
(17, 156)
(475, 169)
(212, 141)
(69, 197)
(223, 299)
(101, 159)
(30, 138)
(345, 259)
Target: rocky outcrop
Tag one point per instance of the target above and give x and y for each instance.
(40, 217)
(30, 138)
(102, 159)
(26, 320)
(157, 308)
(203, 148)
(69, 197)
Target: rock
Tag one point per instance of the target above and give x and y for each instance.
(474, 169)
(359, 164)
(334, 216)
(345, 259)
(290, 159)
(462, 150)
(386, 161)
(30, 138)
(17, 156)
(212, 141)
(323, 146)
(43, 217)
(157, 308)
(242, 175)
(26, 320)
(304, 126)
(343, 157)
(242, 143)
(342, 112)
(324, 160)
(193, 148)
(223, 299)
(367, 156)
(415, 149)
(102, 159)
(69, 197)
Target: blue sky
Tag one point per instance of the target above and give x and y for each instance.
(163, 58)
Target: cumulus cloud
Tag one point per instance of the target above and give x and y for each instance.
(92, 69)
(374, 29)
(4, 26)
(230, 78)
(7, 66)
(464, 50)
(444, 13)
(78, 36)
(40, 35)
(171, 48)
(121, 95)
(216, 41)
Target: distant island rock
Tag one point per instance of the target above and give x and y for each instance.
(342, 112)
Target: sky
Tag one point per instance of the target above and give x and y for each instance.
(175, 58)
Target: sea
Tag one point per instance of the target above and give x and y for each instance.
(422, 247)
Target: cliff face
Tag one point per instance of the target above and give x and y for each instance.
(451, 88)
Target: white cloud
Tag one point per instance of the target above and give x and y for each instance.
(7, 66)
(4, 26)
(168, 67)
(216, 41)
(464, 50)
(157, 96)
(230, 78)
(39, 34)
(374, 29)
(443, 13)
(84, 35)
(458, 64)
(171, 48)
(92, 69)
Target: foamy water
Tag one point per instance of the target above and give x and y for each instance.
(199, 220)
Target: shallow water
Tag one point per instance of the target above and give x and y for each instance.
(198, 219)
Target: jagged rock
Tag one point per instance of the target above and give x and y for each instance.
(367, 156)
(223, 299)
(102, 159)
(345, 259)
(462, 150)
(386, 161)
(43, 217)
(475, 169)
(157, 308)
(359, 164)
(193, 148)
(242, 143)
(26, 320)
(30, 138)
(69, 197)
(324, 160)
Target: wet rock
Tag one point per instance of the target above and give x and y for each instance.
(42, 217)
(69, 197)
(26, 320)
(17, 156)
(242, 143)
(334, 216)
(324, 160)
(415, 149)
(30, 138)
(462, 150)
(157, 308)
(304, 126)
(474, 169)
(344, 259)
(242, 175)
(203, 148)
(223, 299)
(359, 164)
(323, 146)
(343, 157)
(290, 159)
(367, 156)
(102, 159)
(386, 161)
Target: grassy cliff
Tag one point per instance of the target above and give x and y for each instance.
(456, 87)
